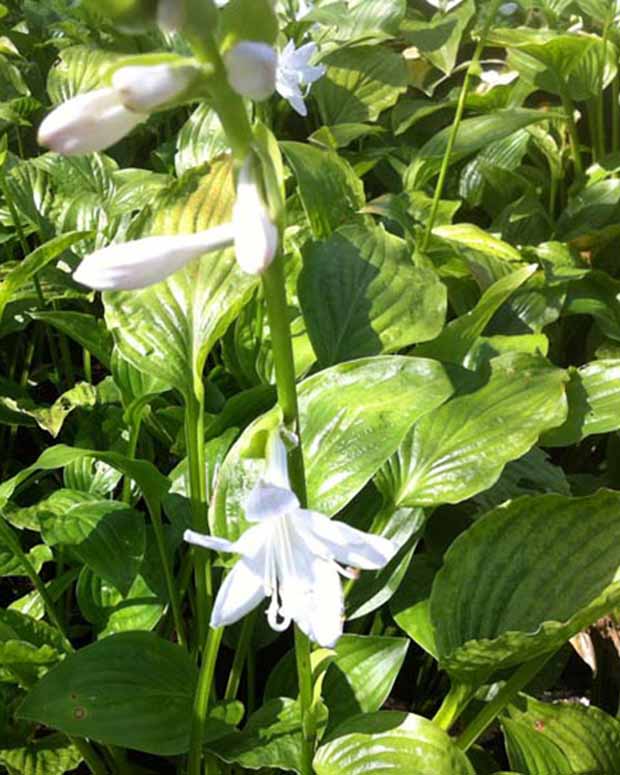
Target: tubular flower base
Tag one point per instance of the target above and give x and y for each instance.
(292, 555)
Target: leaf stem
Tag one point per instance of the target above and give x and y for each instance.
(519, 679)
(243, 644)
(454, 703)
(573, 136)
(90, 756)
(460, 109)
(304, 674)
(201, 700)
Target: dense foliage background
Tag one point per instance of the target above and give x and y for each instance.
(454, 299)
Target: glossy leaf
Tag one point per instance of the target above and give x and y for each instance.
(47, 755)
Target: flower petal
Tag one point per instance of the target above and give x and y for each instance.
(344, 543)
(241, 591)
(267, 500)
(208, 542)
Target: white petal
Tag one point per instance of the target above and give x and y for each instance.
(256, 237)
(267, 501)
(241, 591)
(276, 469)
(89, 122)
(208, 542)
(138, 264)
(251, 69)
(144, 88)
(312, 73)
(344, 543)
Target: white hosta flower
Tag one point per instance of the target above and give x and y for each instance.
(89, 122)
(491, 78)
(444, 5)
(292, 555)
(251, 69)
(137, 264)
(256, 237)
(144, 88)
(294, 72)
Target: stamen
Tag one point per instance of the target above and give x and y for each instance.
(348, 572)
(273, 612)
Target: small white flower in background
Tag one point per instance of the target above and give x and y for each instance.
(98, 119)
(492, 78)
(256, 237)
(444, 5)
(251, 69)
(292, 555)
(89, 122)
(508, 9)
(132, 265)
(144, 88)
(294, 72)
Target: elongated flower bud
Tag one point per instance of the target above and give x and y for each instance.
(144, 88)
(140, 263)
(86, 123)
(251, 69)
(256, 237)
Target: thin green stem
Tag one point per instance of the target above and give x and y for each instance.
(201, 700)
(615, 114)
(245, 638)
(87, 365)
(454, 703)
(304, 674)
(573, 136)
(134, 435)
(492, 709)
(90, 756)
(458, 116)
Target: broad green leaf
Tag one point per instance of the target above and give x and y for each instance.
(107, 536)
(492, 604)
(50, 418)
(352, 417)
(460, 449)
(591, 217)
(55, 504)
(133, 690)
(365, 19)
(473, 237)
(362, 295)
(359, 84)
(579, 64)
(461, 334)
(34, 262)
(26, 642)
(532, 753)
(593, 395)
(586, 739)
(361, 675)
(596, 294)
(86, 330)
(410, 605)
(271, 738)
(388, 742)
(168, 329)
(330, 191)
(79, 69)
(47, 755)
(200, 140)
(10, 564)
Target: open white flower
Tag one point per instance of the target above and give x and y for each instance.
(130, 266)
(292, 555)
(294, 72)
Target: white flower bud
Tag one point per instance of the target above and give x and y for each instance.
(171, 14)
(144, 88)
(251, 69)
(86, 123)
(256, 237)
(140, 263)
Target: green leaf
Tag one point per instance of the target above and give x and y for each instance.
(410, 605)
(387, 742)
(168, 329)
(593, 394)
(365, 19)
(271, 738)
(48, 755)
(34, 262)
(461, 334)
(25, 641)
(473, 237)
(87, 330)
(352, 417)
(133, 690)
(330, 191)
(200, 140)
(361, 295)
(50, 418)
(248, 20)
(361, 675)
(108, 536)
(461, 448)
(583, 739)
(491, 603)
(78, 70)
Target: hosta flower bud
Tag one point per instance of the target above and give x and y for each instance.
(251, 69)
(171, 14)
(133, 265)
(86, 123)
(256, 236)
(143, 88)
